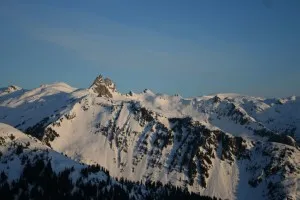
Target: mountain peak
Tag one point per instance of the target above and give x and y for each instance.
(10, 89)
(13, 88)
(103, 86)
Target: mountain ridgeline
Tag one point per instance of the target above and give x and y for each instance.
(31, 170)
(225, 146)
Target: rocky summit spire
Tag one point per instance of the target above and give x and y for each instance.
(103, 87)
(10, 89)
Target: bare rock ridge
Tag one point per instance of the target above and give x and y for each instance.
(13, 88)
(104, 87)
(10, 89)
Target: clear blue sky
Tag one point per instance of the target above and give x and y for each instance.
(193, 47)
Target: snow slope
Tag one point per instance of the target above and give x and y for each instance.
(23, 109)
(31, 170)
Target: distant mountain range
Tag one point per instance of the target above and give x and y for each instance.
(149, 146)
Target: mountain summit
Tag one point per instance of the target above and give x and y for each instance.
(9, 89)
(104, 87)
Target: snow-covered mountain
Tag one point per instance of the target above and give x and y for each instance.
(32, 170)
(227, 145)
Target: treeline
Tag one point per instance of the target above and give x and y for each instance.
(39, 181)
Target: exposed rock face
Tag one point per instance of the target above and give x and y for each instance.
(13, 88)
(31, 170)
(216, 99)
(103, 87)
(142, 143)
(9, 89)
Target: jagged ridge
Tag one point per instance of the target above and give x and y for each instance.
(223, 145)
